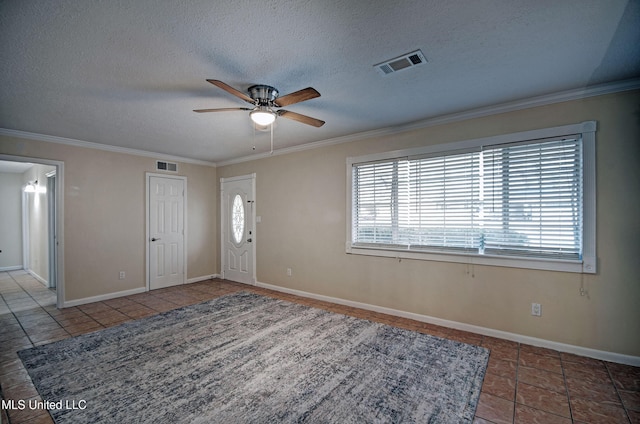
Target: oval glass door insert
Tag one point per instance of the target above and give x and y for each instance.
(237, 219)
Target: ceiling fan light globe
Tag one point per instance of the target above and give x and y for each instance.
(263, 117)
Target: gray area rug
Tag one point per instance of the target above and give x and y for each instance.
(245, 358)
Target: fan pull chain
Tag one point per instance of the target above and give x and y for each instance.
(271, 139)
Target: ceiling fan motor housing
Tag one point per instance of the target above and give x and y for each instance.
(263, 94)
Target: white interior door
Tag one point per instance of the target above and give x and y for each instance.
(238, 224)
(166, 231)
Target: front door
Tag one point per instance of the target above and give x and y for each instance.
(238, 238)
(166, 231)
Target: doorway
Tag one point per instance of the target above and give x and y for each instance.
(54, 222)
(238, 216)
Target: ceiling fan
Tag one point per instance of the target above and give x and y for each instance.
(264, 99)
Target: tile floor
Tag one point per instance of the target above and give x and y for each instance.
(523, 384)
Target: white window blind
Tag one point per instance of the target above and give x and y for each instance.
(533, 199)
(443, 202)
(375, 202)
(522, 200)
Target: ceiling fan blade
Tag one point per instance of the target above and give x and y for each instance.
(224, 109)
(231, 90)
(297, 97)
(301, 118)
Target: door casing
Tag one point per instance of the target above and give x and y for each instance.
(59, 218)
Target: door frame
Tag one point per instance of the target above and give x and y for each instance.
(147, 238)
(51, 218)
(59, 227)
(224, 223)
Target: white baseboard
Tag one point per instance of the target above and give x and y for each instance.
(10, 268)
(203, 278)
(100, 298)
(37, 277)
(561, 347)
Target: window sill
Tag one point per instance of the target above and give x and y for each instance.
(586, 266)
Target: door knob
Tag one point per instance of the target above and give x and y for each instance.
(155, 239)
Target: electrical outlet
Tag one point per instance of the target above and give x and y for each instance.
(121, 276)
(289, 272)
(536, 309)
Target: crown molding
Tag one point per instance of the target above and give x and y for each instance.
(310, 146)
(98, 146)
(547, 99)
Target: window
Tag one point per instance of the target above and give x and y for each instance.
(524, 200)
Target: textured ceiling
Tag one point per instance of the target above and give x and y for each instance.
(129, 73)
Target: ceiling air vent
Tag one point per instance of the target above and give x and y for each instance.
(405, 61)
(166, 166)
